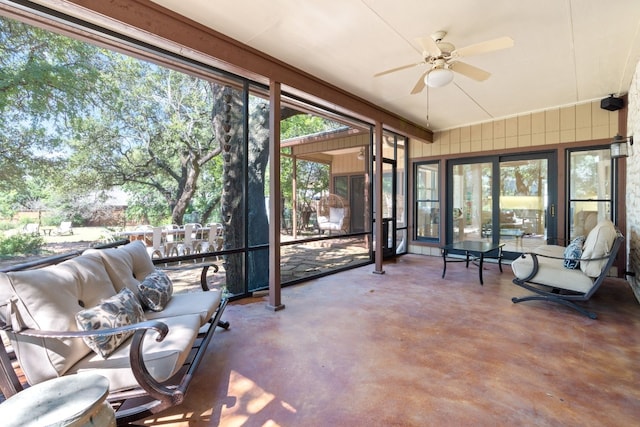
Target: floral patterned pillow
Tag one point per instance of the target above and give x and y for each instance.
(573, 252)
(155, 290)
(119, 310)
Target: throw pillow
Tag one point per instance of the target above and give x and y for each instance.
(119, 310)
(155, 290)
(573, 252)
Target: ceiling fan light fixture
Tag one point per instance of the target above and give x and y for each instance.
(438, 77)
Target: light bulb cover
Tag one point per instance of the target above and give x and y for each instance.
(439, 77)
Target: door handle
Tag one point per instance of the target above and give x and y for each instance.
(553, 211)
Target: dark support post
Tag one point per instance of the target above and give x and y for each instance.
(377, 187)
(275, 207)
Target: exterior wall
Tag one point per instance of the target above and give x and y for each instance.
(633, 189)
(341, 164)
(582, 122)
(347, 164)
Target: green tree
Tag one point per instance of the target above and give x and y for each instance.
(151, 131)
(45, 81)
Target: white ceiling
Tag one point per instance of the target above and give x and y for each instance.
(566, 51)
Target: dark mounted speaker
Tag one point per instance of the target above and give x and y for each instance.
(612, 103)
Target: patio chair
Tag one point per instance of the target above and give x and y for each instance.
(332, 214)
(197, 237)
(31, 228)
(63, 229)
(156, 250)
(214, 239)
(568, 274)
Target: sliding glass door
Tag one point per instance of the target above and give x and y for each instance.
(506, 199)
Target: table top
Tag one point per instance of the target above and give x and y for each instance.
(473, 246)
(55, 402)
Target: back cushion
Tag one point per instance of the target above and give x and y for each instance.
(336, 215)
(48, 299)
(598, 244)
(127, 265)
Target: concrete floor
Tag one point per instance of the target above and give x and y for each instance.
(409, 348)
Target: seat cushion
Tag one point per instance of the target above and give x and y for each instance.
(163, 359)
(551, 272)
(598, 244)
(204, 304)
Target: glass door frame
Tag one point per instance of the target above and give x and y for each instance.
(389, 223)
(550, 214)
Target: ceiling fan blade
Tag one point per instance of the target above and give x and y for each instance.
(484, 47)
(393, 70)
(420, 84)
(429, 46)
(470, 71)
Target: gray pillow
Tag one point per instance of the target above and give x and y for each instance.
(155, 290)
(573, 252)
(121, 309)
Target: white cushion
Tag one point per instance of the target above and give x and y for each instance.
(598, 244)
(48, 299)
(336, 215)
(204, 304)
(163, 359)
(551, 272)
(127, 265)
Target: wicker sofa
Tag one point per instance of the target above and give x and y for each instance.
(42, 312)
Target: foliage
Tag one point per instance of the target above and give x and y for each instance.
(45, 80)
(79, 120)
(153, 134)
(312, 177)
(20, 244)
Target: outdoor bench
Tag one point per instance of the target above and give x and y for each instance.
(82, 315)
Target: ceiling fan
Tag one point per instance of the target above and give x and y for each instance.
(442, 58)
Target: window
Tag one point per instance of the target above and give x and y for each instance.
(427, 197)
(590, 190)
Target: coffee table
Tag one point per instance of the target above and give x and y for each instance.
(474, 250)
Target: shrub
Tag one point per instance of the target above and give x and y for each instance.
(20, 244)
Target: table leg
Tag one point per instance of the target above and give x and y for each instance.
(444, 259)
(500, 259)
(467, 254)
(480, 267)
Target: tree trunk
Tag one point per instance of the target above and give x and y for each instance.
(227, 117)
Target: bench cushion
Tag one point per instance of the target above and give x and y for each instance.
(551, 272)
(204, 304)
(127, 265)
(163, 359)
(48, 299)
(598, 244)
